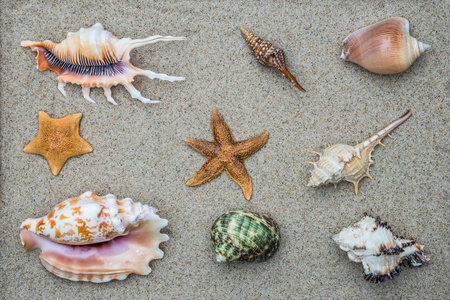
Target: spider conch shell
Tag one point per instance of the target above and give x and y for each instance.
(382, 254)
(93, 57)
(343, 162)
(384, 47)
(97, 239)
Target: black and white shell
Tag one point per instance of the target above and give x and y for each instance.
(382, 254)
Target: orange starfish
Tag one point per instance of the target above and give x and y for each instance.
(225, 153)
(58, 140)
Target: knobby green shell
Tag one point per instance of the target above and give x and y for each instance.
(245, 236)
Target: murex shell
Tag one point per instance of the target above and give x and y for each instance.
(269, 55)
(93, 57)
(244, 236)
(343, 162)
(382, 254)
(97, 239)
(384, 47)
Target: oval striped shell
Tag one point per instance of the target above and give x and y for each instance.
(384, 47)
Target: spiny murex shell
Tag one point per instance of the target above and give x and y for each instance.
(382, 254)
(269, 55)
(384, 47)
(343, 162)
(244, 236)
(93, 57)
(97, 239)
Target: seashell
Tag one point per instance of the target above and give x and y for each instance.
(93, 57)
(244, 236)
(382, 254)
(343, 162)
(384, 47)
(268, 55)
(96, 239)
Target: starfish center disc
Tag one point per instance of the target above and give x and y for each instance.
(227, 153)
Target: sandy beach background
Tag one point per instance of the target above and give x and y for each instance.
(139, 150)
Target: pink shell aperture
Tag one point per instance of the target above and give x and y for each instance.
(93, 57)
(97, 239)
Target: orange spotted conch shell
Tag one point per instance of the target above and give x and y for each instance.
(96, 239)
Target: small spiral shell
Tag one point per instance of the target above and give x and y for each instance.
(268, 55)
(244, 236)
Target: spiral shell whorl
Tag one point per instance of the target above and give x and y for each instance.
(260, 47)
(415, 48)
(330, 165)
(244, 236)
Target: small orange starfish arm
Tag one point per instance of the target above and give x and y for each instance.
(221, 131)
(208, 149)
(246, 148)
(236, 170)
(210, 170)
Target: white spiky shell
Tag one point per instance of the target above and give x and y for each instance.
(93, 57)
(342, 162)
(384, 47)
(96, 239)
(381, 252)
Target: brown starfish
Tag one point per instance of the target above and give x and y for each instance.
(58, 140)
(225, 153)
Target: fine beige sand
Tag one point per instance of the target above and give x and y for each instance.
(139, 149)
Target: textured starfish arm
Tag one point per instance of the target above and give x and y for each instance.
(34, 148)
(208, 149)
(210, 170)
(221, 131)
(236, 170)
(244, 149)
(56, 164)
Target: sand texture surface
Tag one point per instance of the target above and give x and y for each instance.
(139, 149)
